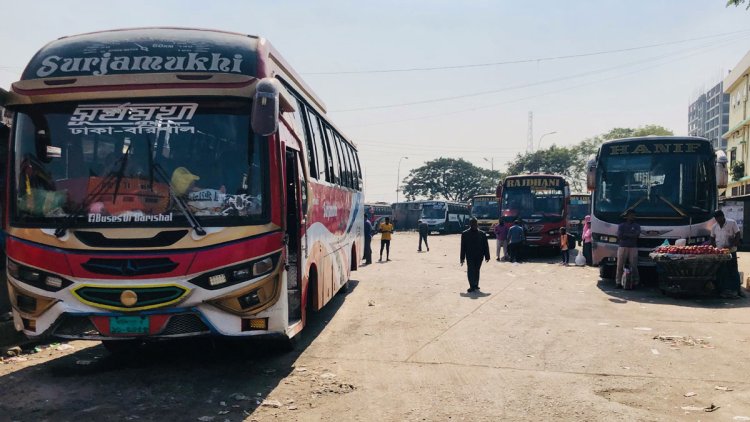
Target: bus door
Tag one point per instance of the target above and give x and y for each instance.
(294, 223)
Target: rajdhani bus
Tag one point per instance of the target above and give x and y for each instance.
(486, 209)
(670, 182)
(540, 201)
(578, 208)
(171, 182)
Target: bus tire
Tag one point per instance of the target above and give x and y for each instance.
(122, 347)
(284, 344)
(607, 272)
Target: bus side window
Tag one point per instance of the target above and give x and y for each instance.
(350, 164)
(333, 160)
(323, 157)
(346, 165)
(359, 170)
(303, 130)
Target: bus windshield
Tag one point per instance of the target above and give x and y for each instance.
(529, 201)
(127, 163)
(433, 210)
(485, 209)
(579, 207)
(679, 189)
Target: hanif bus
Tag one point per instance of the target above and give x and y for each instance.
(444, 216)
(486, 209)
(540, 201)
(173, 182)
(578, 209)
(670, 182)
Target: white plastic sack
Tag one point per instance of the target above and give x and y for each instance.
(580, 260)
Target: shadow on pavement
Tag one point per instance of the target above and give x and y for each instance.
(648, 292)
(475, 295)
(191, 378)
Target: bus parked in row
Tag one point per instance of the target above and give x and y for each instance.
(191, 187)
(377, 212)
(445, 216)
(540, 201)
(486, 209)
(578, 208)
(670, 182)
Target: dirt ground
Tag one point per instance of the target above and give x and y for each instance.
(407, 343)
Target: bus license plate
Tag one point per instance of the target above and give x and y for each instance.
(129, 325)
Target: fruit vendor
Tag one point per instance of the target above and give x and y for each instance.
(726, 234)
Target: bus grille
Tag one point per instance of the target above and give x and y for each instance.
(185, 324)
(652, 243)
(76, 326)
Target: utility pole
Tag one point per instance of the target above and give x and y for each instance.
(530, 134)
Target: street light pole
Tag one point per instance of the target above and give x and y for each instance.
(540, 139)
(398, 176)
(491, 161)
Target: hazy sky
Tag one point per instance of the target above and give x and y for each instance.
(576, 97)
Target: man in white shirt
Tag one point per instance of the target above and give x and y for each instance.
(726, 234)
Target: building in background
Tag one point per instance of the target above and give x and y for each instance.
(708, 116)
(737, 86)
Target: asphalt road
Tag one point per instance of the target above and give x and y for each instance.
(408, 343)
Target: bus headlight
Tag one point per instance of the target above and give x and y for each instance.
(252, 299)
(238, 273)
(37, 278)
(605, 238)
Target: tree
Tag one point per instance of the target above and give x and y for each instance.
(571, 161)
(450, 179)
(737, 3)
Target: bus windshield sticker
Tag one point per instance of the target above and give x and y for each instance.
(132, 118)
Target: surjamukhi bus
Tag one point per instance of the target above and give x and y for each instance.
(671, 183)
(172, 182)
(540, 201)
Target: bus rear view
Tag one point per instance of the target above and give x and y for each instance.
(670, 182)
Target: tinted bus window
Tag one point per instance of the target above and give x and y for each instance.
(360, 178)
(352, 169)
(333, 160)
(301, 128)
(323, 158)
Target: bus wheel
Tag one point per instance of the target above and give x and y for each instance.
(122, 347)
(607, 272)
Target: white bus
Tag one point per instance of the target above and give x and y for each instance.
(670, 182)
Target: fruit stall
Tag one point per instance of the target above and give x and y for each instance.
(689, 269)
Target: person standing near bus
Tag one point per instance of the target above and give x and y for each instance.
(564, 247)
(474, 247)
(424, 231)
(628, 233)
(516, 237)
(501, 240)
(586, 238)
(726, 234)
(386, 230)
(368, 241)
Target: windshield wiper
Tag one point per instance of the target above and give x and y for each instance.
(89, 199)
(192, 219)
(673, 206)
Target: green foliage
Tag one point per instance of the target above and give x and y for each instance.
(737, 3)
(571, 161)
(450, 179)
(738, 170)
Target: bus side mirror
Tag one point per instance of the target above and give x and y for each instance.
(722, 172)
(265, 114)
(591, 172)
(4, 97)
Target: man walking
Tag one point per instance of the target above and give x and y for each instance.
(501, 240)
(515, 241)
(474, 247)
(386, 230)
(627, 249)
(726, 234)
(368, 241)
(424, 231)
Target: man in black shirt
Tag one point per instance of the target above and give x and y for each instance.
(424, 230)
(474, 247)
